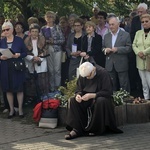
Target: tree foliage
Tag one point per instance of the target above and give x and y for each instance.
(64, 7)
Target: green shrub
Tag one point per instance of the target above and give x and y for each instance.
(66, 92)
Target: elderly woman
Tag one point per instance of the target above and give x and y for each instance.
(92, 44)
(36, 62)
(54, 41)
(91, 111)
(141, 47)
(19, 30)
(71, 20)
(12, 80)
(30, 21)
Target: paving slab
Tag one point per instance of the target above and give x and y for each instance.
(17, 136)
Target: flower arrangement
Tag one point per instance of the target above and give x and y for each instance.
(66, 92)
(119, 96)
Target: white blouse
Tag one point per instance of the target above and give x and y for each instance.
(29, 63)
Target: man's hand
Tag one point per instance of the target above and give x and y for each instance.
(107, 50)
(88, 96)
(114, 49)
(78, 98)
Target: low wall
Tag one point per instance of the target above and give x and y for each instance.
(127, 113)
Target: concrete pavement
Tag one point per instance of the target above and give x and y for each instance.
(15, 135)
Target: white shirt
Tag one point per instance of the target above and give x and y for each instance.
(114, 37)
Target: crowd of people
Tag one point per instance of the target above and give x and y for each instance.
(52, 49)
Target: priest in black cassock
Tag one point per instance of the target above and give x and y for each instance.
(91, 111)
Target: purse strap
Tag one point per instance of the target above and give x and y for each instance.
(81, 61)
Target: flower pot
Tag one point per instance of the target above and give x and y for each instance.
(120, 114)
(138, 113)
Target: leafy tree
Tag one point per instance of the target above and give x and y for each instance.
(64, 7)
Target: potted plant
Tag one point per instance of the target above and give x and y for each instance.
(120, 110)
(120, 96)
(66, 92)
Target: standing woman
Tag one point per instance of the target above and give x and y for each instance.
(12, 80)
(36, 61)
(141, 47)
(19, 30)
(92, 44)
(74, 47)
(54, 41)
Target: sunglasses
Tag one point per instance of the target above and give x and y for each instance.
(145, 21)
(6, 30)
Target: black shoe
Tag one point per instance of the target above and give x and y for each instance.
(11, 116)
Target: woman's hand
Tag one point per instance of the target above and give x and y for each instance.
(86, 57)
(141, 55)
(77, 53)
(78, 98)
(16, 55)
(3, 57)
(50, 41)
(83, 54)
(36, 59)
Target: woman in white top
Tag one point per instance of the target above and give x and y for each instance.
(36, 61)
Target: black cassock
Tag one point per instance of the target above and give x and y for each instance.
(102, 118)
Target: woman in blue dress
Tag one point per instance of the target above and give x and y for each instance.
(12, 80)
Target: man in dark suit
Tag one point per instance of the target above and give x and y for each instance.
(135, 81)
(117, 45)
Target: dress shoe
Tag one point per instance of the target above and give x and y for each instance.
(11, 116)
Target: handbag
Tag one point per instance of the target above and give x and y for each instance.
(148, 62)
(49, 114)
(77, 70)
(19, 65)
(63, 57)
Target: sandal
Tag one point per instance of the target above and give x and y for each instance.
(72, 135)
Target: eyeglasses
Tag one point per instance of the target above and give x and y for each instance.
(77, 25)
(6, 30)
(145, 21)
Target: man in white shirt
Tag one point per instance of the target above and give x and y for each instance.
(117, 45)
